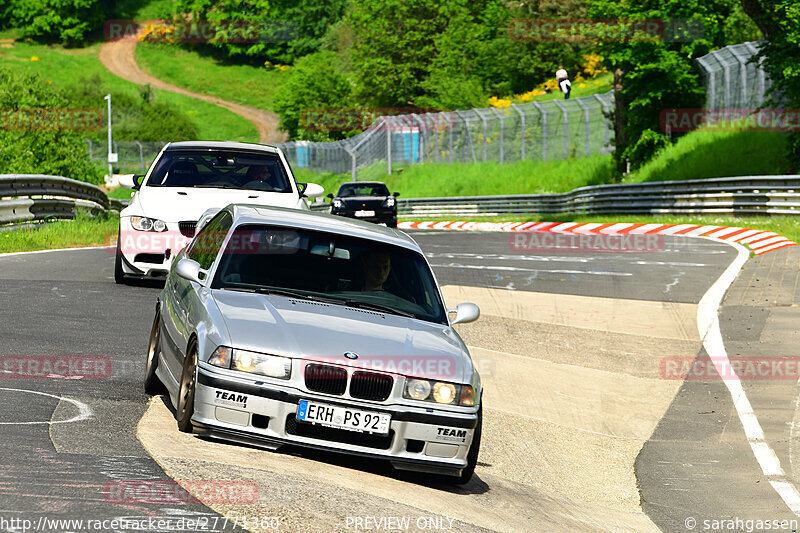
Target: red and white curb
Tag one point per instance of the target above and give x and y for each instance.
(759, 241)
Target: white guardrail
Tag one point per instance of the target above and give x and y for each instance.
(38, 197)
(28, 198)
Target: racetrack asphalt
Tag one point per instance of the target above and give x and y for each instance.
(66, 303)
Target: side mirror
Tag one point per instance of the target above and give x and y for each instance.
(188, 269)
(312, 190)
(465, 312)
(329, 195)
(131, 181)
(395, 194)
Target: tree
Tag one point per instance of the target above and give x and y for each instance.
(779, 20)
(40, 148)
(651, 75)
(68, 21)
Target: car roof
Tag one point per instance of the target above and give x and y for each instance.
(362, 183)
(281, 216)
(221, 145)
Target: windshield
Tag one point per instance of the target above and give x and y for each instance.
(221, 169)
(339, 269)
(360, 189)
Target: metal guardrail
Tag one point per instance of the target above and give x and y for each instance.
(746, 195)
(34, 197)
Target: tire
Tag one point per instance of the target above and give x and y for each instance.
(392, 223)
(472, 455)
(119, 274)
(152, 385)
(185, 408)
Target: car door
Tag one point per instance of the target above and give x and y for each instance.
(186, 303)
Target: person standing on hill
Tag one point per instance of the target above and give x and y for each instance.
(562, 78)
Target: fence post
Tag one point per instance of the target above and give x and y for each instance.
(760, 75)
(711, 90)
(522, 131)
(605, 116)
(726, 78)
(566, 126)
(585, 122)
(469, 135)
(353, 162)
(90, 147)
(500, 118)
(449, 127)
(485, 133)
(743, 74)
(141, 156)
(388, 145)
(544, 129)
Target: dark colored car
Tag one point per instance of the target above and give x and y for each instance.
(366, 200)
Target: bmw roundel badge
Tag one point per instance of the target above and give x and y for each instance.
(351, 355)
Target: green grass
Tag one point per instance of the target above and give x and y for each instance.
(784, 225)
(601, 84)
(83, 231)
(245, 84)
(714, 154)
(64, 67)
(120, 193)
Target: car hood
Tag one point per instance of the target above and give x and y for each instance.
(174, 204)
(324, 332)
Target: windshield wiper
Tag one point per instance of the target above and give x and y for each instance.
(377, 307)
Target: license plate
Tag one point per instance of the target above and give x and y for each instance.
(343, 417)
(365, 213)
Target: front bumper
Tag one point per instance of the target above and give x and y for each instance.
(381, 215)
(147, 253)
(256, 413)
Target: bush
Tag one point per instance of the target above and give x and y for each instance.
(133, 119)
(40, 151)
(648, 145)
(315, 83)
(68, 21)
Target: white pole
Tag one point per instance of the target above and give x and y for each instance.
(110, 170)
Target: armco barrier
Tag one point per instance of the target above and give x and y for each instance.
(34, 197)
(746, 195)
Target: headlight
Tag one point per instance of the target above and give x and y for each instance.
(273, 366)
(148, 224)
(336, 203)
(439, 392)
(389, 202)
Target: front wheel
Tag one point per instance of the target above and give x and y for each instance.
(472, 455)
(152, 385)
(186, 393)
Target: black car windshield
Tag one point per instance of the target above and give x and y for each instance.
(335, 268)
(363, 189)
(221, 169)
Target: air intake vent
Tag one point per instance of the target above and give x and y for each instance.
(187, 228)
(371, 386)
(326, 379)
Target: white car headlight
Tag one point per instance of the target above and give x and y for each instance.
(148, 224)
(336, 203)
(390, 201)
(273, 366)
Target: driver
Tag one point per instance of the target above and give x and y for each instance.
(259, 176)
(376, 267)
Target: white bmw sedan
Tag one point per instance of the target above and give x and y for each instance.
(188, 180)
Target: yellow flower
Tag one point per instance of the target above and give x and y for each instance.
(34, 58)
(582, 85)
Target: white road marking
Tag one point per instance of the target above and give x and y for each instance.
(11, 254)
(516, 269)
(84, 411)
(708, 326)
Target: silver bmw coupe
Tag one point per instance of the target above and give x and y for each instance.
(278, 326)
